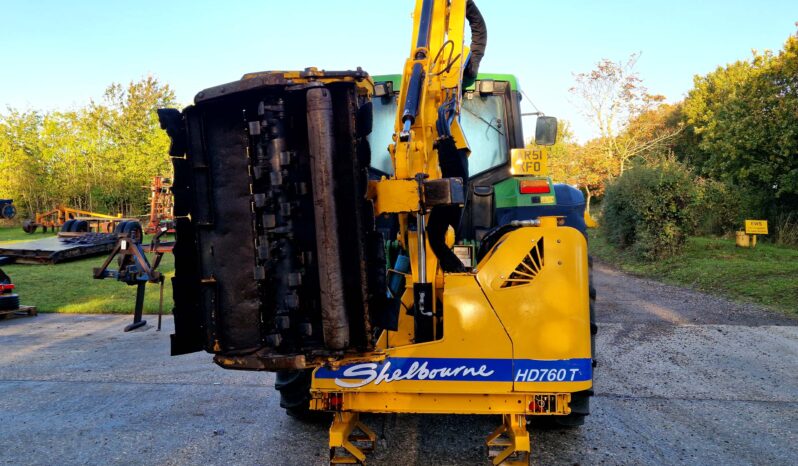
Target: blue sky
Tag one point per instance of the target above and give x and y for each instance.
(60, 54)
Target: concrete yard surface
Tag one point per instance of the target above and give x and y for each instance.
(683, 378)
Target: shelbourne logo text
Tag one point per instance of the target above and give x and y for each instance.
(368, 373)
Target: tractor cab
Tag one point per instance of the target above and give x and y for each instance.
(508, 181)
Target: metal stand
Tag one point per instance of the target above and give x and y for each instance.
(510, 439)
(135, 269)
(160, 306)
(137, 322)
(350, 439)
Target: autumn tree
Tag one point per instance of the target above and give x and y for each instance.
(613, 98)
(584, 166)
(563, 166)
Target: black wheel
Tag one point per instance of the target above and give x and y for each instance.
(29, 226)
(294, 388)
(133, 231)
(119, 228)
(67, 226)
(9, 302)
(79, 226)
(9, 211)
(580, 401)
(593, 325)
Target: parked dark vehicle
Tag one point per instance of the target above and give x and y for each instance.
(7, 209)
(9, 301)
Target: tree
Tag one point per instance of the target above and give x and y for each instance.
(651, 209)
(744, 121)
(586, 167)
(614, 99)
(23, 165)
(708, 98)
(651, 134)
(100, 157)
(563, 166)
(135, 148)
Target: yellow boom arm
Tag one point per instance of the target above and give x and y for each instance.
(432, 77)
(429, 107)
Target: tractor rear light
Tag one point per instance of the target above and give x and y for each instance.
(533, 407)
(534, 187)
(543, 404)
(336, 401)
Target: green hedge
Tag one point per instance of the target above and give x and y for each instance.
(651, 210)
(721, 210)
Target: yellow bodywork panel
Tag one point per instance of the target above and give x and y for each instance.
(502, 335)
(466, 360)
(537, 281)
(394, 196)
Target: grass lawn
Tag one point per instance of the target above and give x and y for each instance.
(13, 234)
(69, 287)
(766, 275)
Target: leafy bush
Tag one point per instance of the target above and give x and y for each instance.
(721, 208)
(787, 229)
(651, 209)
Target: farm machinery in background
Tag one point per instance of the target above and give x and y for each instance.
(134, 268)
(73, 242)
(7, 209)
(80, 234)
(84, 233)
(65, 219)
(161, 206)
(68, 220)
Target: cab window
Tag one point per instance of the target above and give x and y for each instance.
(483, 122)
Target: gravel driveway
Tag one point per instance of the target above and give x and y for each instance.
(683, 378)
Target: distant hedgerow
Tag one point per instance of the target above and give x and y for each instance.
(651, 209)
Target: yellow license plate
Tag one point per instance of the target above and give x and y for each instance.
(531, 161)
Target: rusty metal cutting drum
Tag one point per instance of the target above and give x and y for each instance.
(277, 259)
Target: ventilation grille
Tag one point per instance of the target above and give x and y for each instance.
(528, 269)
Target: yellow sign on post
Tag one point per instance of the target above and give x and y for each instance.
(532, 161)
(756, 227)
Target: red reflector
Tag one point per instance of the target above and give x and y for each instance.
(535, 408)
(534, 187)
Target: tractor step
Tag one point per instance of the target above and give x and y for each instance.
(350, 439)
(509, 444)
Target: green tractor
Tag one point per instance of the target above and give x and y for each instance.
(501, 193)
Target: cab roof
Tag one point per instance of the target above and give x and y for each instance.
(397, 79)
